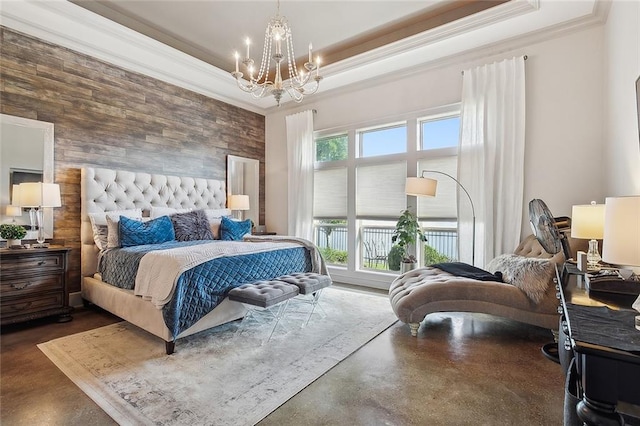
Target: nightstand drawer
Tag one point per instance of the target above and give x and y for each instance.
(41, 262)
(35, 284)
(31, 305)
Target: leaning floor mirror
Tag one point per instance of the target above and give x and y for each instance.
(243, 179)
(26, 155)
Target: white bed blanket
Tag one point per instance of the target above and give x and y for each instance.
(159, 270)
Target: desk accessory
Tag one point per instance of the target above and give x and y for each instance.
(611, 281)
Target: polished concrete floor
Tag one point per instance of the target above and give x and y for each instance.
(463, 369)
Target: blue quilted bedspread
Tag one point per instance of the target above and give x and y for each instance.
(203, 287)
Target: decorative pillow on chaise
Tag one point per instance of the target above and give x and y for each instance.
(136, 232)
(529, 274)
(100, 227)
(234, 230)
(191, 226)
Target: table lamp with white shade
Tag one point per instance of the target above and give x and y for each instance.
(239, 202)
(13, 212)
(587, 222)
(37, 196)
(621, 243)
(621, 238)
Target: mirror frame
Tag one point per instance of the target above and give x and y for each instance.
(47, 163)
(254, 195)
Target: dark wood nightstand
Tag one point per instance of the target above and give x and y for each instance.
(33, 284)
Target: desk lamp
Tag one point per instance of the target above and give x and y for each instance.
(621, 244)
(587, 222)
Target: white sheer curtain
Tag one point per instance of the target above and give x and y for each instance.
(491, 158)
(300, 158)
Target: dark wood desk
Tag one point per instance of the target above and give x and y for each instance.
(606, 347)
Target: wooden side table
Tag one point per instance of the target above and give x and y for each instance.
(34, 284)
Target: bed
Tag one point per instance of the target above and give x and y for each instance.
(194, 297)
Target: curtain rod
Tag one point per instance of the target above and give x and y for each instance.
(524, 56)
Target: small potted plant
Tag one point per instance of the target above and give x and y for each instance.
(12, 233)
(407, 232)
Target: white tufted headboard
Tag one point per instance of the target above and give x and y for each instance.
(104, 190)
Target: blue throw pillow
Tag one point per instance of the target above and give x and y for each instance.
(234, 230)
(136, 233)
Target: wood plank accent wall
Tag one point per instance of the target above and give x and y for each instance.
(106, 116)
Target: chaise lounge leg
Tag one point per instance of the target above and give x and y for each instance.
(414, 328)
(170, 347)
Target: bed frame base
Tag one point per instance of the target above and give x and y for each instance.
(143, 314)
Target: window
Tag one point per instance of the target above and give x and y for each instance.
(442, 132)
(330, 213)
(332, 148)
(383, 141)
(359, 181)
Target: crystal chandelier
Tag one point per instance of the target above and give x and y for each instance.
(300, 83)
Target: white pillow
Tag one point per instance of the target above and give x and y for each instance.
(215, 219)
(217, 213)
(156, 212)
(100, 228)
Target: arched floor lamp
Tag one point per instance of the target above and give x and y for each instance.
(426, 187)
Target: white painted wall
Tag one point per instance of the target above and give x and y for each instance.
(564, 136)
(621, 158)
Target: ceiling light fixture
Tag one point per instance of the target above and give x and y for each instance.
(300, 83)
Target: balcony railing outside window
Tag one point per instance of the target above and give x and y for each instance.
(376, 243)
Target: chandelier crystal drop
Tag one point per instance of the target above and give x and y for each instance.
(276, 38)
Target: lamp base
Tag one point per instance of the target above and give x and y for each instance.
(593, 256)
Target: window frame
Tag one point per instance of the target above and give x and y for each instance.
(353, 272)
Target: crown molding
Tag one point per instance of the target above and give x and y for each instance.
(510, 24)
(68, 25)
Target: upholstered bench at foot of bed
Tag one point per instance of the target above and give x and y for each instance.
(262, 296)
(422, 291)
(309, 284)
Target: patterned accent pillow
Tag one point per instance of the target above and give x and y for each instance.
(100, 226)
(530, 274)
(234, 230)
(191, 226)
(136, 233)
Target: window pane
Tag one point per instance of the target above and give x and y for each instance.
(330, 193)
(375, 240)
(390, 140)
(380, 190)
(441, 133)
(331, 239)
(444, 204)
(332, 148)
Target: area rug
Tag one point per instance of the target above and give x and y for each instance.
(217, 377)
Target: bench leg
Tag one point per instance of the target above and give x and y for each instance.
(279, 314)
(254, 313)
(414, 326)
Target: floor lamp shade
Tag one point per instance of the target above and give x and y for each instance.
(621, 239)
(38, 194)
(421, 186)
